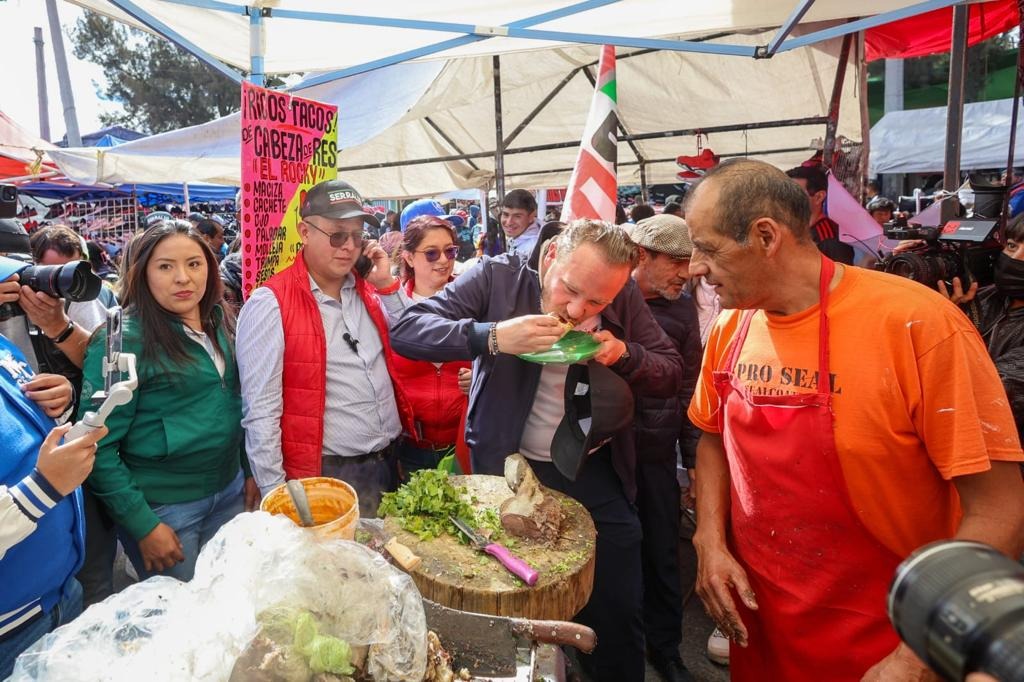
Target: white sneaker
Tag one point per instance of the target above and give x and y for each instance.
(718, 647)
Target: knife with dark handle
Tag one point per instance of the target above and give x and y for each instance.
(514, 564)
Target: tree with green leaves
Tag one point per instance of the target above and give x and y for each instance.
(160, 86)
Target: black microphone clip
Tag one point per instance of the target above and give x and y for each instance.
(352, 342)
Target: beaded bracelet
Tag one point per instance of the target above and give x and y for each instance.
(494, 339)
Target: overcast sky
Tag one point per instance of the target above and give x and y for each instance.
(19, 95)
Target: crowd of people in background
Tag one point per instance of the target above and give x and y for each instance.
(390, 345)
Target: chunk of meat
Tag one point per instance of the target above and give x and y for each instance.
(532, 512)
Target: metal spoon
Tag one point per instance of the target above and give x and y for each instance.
(298, 494)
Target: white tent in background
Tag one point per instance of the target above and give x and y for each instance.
(362, 33)
(683, 65)
(913, 141)
(422, 110)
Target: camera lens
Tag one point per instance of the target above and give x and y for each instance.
(960, 607)
(74, 281)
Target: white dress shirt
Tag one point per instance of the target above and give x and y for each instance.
(361, 415)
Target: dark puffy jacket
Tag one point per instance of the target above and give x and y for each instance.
(663, 421)
(455, 324)
(1003, 332)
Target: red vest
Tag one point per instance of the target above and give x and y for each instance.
(304, 374)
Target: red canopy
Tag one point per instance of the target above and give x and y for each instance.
(931, 32)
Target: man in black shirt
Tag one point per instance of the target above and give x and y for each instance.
(824, 230)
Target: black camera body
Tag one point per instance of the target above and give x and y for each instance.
(961, 248)
(959, 606)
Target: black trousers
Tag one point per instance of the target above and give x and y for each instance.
(370, 475)
(614, 609)
(658, 502)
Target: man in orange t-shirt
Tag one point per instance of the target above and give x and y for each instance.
(811, 492)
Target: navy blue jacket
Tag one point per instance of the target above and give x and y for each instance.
(663, 421)
(454, 325)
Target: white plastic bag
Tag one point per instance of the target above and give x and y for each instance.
(164, 630)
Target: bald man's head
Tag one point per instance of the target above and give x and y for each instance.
(743, 190)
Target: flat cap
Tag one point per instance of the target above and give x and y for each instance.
(664, 233)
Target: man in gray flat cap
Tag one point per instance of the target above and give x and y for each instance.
(661, 276)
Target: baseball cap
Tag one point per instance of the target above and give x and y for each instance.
(598, 405)
(456, 220)
(664, 233)
(13, 237)
(335, 199)
(421, 207)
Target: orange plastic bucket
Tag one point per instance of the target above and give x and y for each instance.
(333, 503)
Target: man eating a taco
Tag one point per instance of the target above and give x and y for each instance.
(503, 308)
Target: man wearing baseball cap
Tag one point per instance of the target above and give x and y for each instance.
(661, 275)
(315, 359)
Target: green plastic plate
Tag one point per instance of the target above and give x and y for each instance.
(573, 347)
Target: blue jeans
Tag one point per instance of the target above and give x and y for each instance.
(66, 610)
(194, 523)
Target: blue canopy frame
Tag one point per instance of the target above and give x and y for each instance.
(516, 29)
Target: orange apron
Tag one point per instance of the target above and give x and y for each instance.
(820, 577)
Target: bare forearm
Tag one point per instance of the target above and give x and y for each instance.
(993, 512)
(712, 490)
(74, 346)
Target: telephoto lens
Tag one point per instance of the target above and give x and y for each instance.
(960, 606)
(74, 281)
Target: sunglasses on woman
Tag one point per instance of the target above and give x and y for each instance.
(434, 254)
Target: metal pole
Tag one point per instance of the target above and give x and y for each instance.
(813, 120)
(257, 46)
(188, 204)
(67, 97)
(955, 111)
(499, 145)
(833, 108)
(865, 116)
(44, 104)
(644, 197)
(1018, 83)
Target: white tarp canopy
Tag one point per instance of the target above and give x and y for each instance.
(914, 141)
(222, 27)
(405, 112)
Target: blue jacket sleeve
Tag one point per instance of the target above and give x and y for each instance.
(449, 326)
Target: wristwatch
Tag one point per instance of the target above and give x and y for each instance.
(63, 336)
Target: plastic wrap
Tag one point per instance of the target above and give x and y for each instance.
(256, 568)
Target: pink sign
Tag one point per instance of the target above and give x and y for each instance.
(289, 144)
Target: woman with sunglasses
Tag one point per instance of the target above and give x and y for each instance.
(437, 391)
(172, 469)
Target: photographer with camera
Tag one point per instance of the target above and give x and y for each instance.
(36, 322)
(998, 313)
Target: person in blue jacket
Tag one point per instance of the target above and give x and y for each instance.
(41, 529)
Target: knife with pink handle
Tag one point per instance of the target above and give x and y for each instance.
(514, 564)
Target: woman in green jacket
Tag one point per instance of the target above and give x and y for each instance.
(173, 469)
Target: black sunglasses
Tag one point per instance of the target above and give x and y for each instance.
(433, 255)
(339, 239)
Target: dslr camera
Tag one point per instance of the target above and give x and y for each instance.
(963, 248)
(73, 281)
(960, 607)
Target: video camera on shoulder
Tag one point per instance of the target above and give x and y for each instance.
(963, 248)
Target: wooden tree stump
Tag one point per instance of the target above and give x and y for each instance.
(457, 576)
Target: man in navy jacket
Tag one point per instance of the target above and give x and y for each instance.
(503, 307)
(41, 531)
